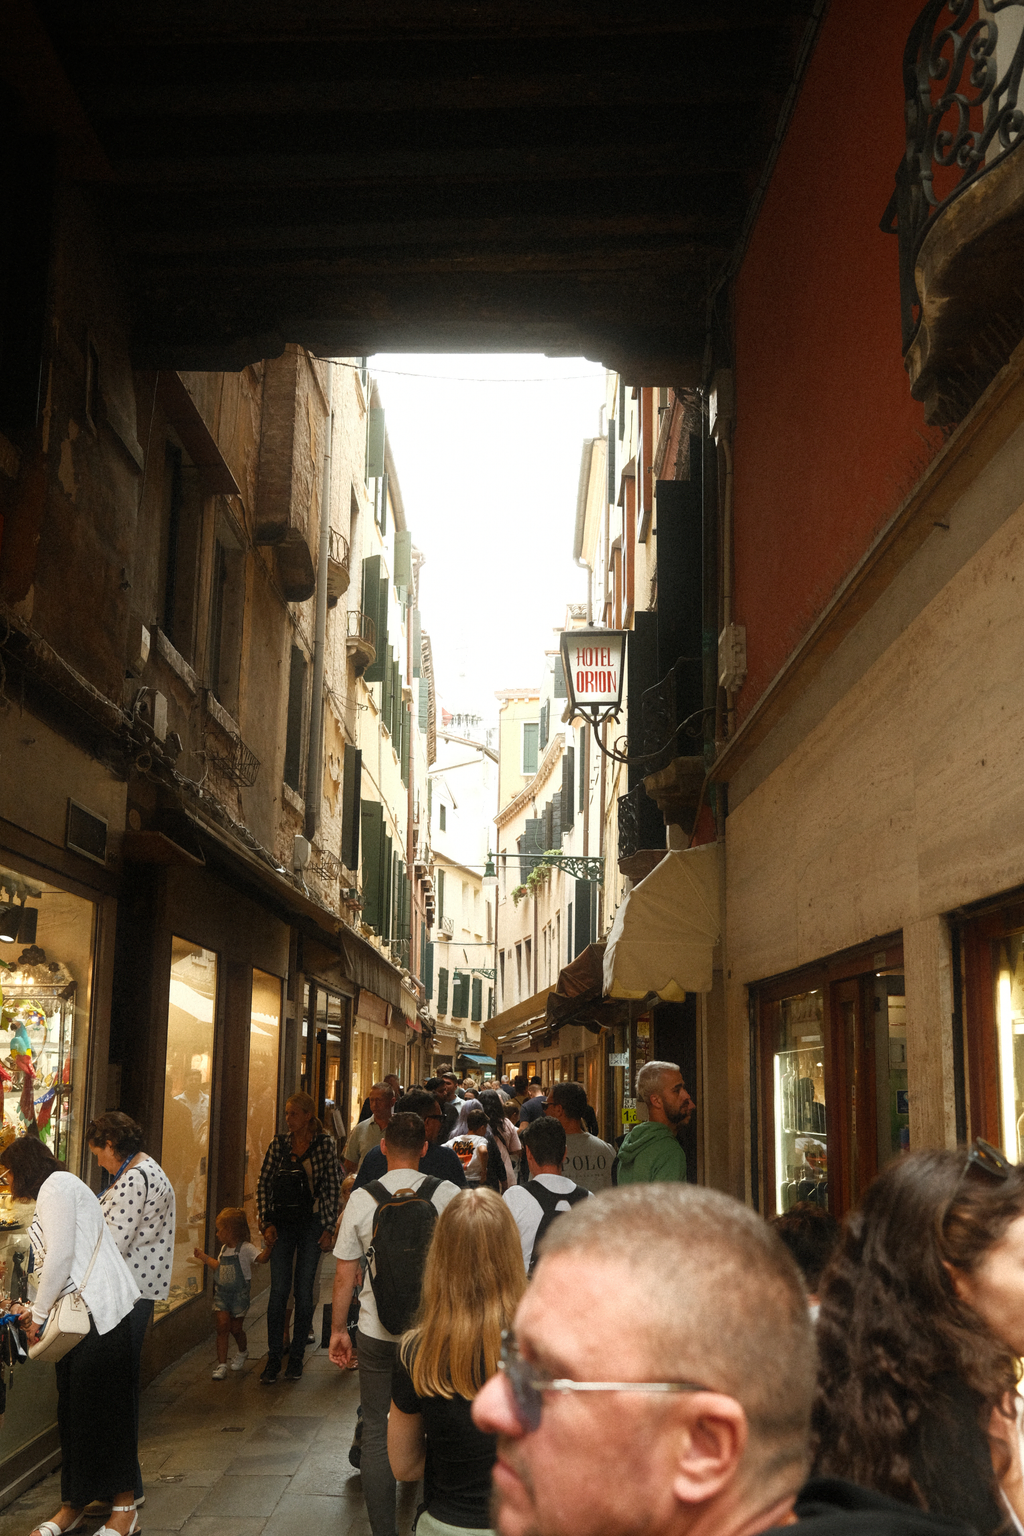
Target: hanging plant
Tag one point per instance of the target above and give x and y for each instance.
(518, 894)
(538, 876)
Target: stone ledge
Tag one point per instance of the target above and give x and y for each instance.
(175, 660)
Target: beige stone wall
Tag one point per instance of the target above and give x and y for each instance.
(903, 802)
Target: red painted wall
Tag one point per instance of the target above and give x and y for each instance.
(828, 439)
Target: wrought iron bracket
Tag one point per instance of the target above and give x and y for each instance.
(586, 869)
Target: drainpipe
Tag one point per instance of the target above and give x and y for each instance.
(315, 751)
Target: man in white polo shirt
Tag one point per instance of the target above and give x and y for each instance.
(404, 1143)
(548, 1194)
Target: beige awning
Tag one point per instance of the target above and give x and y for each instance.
(503, 1025)
(666, 929)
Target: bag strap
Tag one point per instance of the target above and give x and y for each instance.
(95, 1256)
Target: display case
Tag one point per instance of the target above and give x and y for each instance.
(801, 1125)
(36, 1041)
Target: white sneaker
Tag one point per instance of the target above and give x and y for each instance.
(220, 1372)
(238, 1363)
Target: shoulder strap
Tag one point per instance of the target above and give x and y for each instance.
(546, 1198)
(95, 1255)
(427, 1188)
(378, 1190)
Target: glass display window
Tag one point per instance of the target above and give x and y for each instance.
(191, 1014)
(264, 1059)
(46, 964)
(801, 1120)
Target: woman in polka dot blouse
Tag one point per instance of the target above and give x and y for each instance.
(139, 1208)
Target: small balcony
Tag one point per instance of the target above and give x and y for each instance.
(337, 567)
(958, 205)
(360, 640)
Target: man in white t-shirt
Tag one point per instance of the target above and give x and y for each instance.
(588, 1159)
(404, 1143)
(544, 1142)
(368, 1133)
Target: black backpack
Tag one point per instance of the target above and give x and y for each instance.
(403, 1225)
(548, 1199)
(291, 1200)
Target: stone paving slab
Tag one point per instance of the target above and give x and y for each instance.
(234, 1458)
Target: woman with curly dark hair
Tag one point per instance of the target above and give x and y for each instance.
(504, 1138)
(920, 1331)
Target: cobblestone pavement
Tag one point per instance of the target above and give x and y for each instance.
(233, 1458)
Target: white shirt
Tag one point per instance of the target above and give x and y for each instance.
(356, 1235)
(528, 1214)
(67, 1224)
(365, 1135)
(476, 1168)
(139, 1209)
(246, 1254)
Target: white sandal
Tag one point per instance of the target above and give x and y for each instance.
(120, 1509)
(51, 1528)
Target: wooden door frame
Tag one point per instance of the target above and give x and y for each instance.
(977, 935)
(850, 965)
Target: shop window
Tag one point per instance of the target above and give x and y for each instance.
(993, 973)
(184, 1153)
(833, 1080)
(264, 1050)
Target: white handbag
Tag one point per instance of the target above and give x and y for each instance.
(68, 1321)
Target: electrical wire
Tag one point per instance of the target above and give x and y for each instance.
(452, 378)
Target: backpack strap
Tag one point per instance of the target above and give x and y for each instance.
(379, 1192)
(550, 1199)
(427, 1188)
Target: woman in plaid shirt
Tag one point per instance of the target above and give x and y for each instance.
(298, 1196)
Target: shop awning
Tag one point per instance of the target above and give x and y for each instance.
(477, 1059)
(665, 931)
(505, 1024)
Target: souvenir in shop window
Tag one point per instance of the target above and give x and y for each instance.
(37, 997)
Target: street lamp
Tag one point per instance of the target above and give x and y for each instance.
(592, 662)
(490, 878)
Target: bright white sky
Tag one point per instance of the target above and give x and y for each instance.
(487, 448)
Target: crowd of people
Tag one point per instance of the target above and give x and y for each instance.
(555, 1356)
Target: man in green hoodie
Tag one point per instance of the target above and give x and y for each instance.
(650, 1154)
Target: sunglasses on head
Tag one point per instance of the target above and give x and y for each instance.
(982, 1157)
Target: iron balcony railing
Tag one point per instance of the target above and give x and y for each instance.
(961, 83)
(361, 627)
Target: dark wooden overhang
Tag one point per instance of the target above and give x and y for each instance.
(565, 176)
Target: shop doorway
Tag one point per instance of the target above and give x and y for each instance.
(832, 1088)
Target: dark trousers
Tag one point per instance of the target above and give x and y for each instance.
(141, 1315)
(298, 1246)
(95, 1417)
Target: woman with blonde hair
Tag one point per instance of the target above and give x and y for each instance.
(297, 1197)
(472, 1283)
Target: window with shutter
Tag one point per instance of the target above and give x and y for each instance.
(531, 733)
(402, 574)
(428, 968)
(478, 1000)
(372, 826)
(560, 688)
(490, 1002)
(387, 691)
(460, 995)
(556, 822)
(424, 705)
(440, 894)
(569, 930)
(406, 741)
(350, 808)
(584, 744)
(584, 924)
(568, 809)
(442, 817)
(613, 490)
(549, 826)
(382, 504)
(442, 992)
(545, 716)
(296, 713)
(417, 643)
(372, 582)
(374, 444)
(387, 877)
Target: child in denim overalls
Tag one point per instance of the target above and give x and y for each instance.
(231, 1286)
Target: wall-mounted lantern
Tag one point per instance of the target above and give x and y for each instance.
(594, 661)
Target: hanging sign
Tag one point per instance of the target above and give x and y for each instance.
(618, 1058)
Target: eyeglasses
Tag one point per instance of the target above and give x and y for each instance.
(528, 1385)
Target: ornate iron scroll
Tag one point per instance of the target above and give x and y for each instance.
(958, 109)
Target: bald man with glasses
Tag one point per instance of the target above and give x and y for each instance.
(659, 1383)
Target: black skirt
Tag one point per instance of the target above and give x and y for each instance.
(95, 1417)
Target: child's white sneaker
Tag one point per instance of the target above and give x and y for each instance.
(238, 1363)
(220, 1372)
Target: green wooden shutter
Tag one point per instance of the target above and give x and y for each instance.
(440, 894)
(561, 691)
(382, 519)
(402, 575)
(545, 716)
(372, 820)
(478, 1000)
(442, 992)
(424, 705)
(568, 787)
(387, 878)
(388, 691)
(530, 735)
(460, 995)
(350, 810)
(394, 722)
(417, 642)
(296, 714)
(406, 742)
(374, 444)
(373, 583)
(428, 967)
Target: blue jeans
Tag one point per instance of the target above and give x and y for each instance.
(298, 1245)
